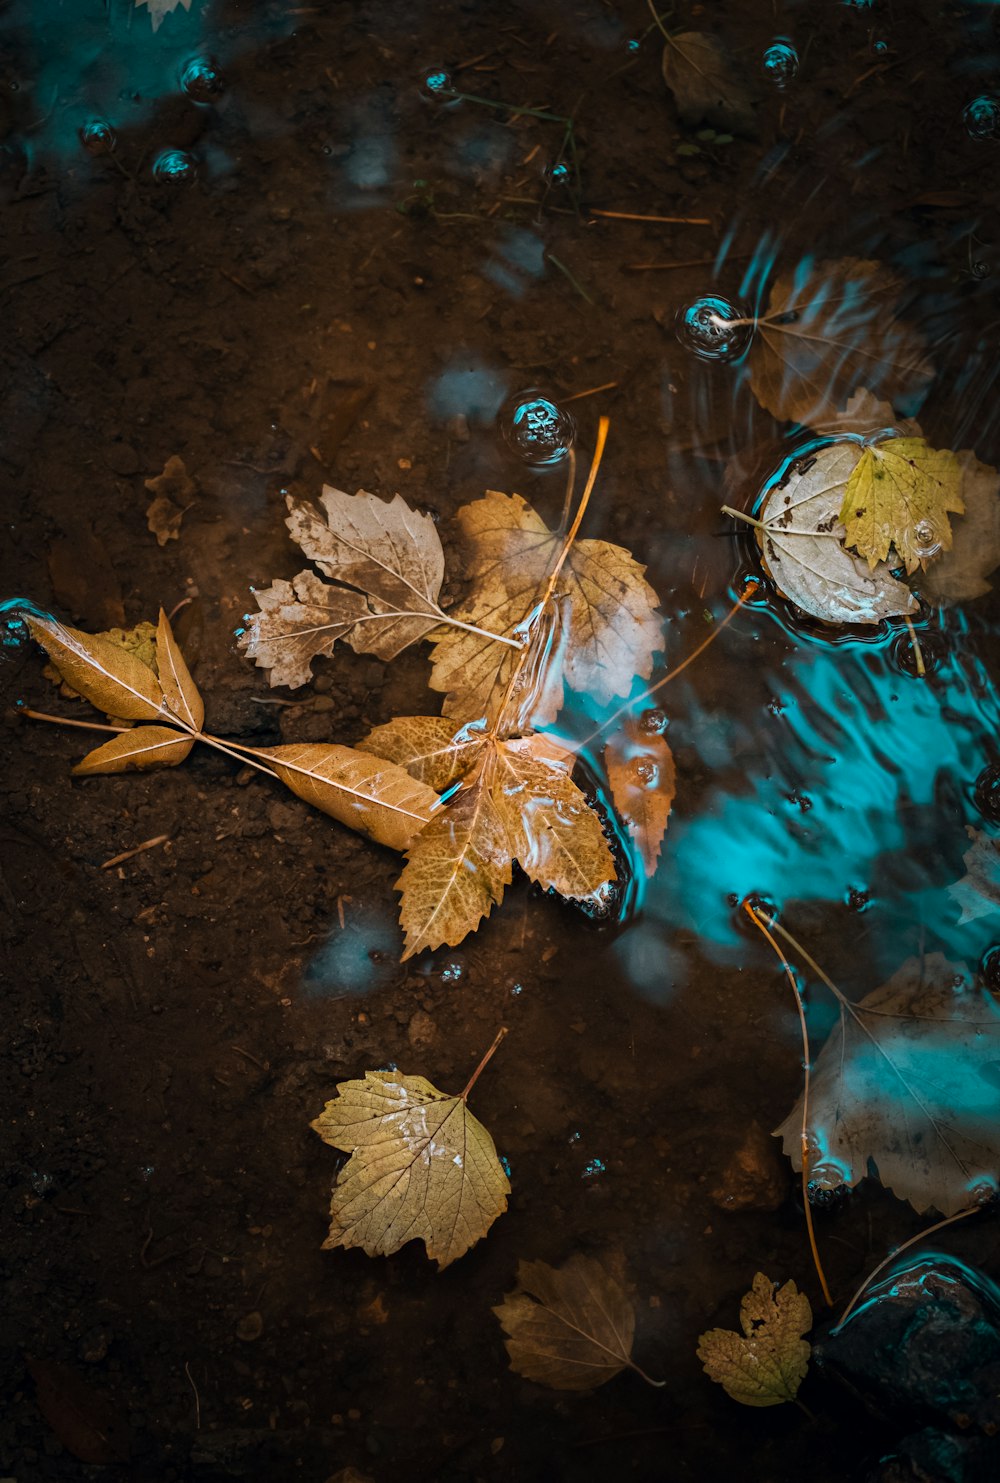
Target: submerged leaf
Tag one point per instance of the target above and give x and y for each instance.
(767, 1363)
(159, 8)
(422, 1168)
(569, 1327)
(898, 497)
(643, 784)
(830, 328)
(978, 891)
(103, 672)
(803, 549)
(136, 750)
(373, 796)
(704, 83)
(907, 1081)
(960, 573)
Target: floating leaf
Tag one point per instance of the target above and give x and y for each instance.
(643, 782)
(705, 85)
(605, 631)
(898, 497)
(978, 891)
(829, 328)
(801, 541)
(101, 671)
(422, 1168)
(373, 796)
(136, 750)
(907, 1081)
(159, 8)
(179, 690)
(86, 1422)
(959, 574)
(766, 1364)
(569, 1327)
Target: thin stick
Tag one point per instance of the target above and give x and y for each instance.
(197, 1401)
(655, 14)
(806, 1062)
(776, 530)
(569, 276)
(648, 1378)
(691, 262)
(920, 1236)
(66, 721)
(747, 592)
(147, 844)
(917, 651)
(688, 221)
(591, 391)
(570, 485)
(483, 1063)
(602, 438)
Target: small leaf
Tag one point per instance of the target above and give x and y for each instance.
(704, 83)
(86, 1422)
(159, 8)
(898, 497)
(569, 1327)
(643, 784)
(767, 1363)
(101, 671)
(179, 690)
(175, 491)
(422, 1168)
(299, 621)
(375, 797)
(136, 750)
(959, 574)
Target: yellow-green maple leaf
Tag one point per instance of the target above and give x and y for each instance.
(767, 1363)
(899, 495)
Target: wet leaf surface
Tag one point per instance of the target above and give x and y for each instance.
(100, 669)
(422, 1168)
(375, 797)
(978, 891)
(705, 84)
(766, 1364)
(897, 498)
(643, 784)
(906, 1081)
(179, 689)
(137, 750)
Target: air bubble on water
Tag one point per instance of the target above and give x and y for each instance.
(174, 167)
(594, 1166)
(452, 972)
(202, 80)
(505, 1164)
(98, 137)
(925, 541)
(653, 722)
(827, 1183)
(780, 63)
(715, 328)
(632, 46)
(982, 1190)
(437, 86)
(559, 175)
(982, 117)
(879, 47)
(538, 430)
(979, 270)
(645, 771)
(987, 794)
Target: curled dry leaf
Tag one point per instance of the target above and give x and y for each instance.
(159, 8)
(801, 540)
(386, 563)
(906, 1081)
(139, 749)
(570, 1327)
(705, 84)
(830, 328)
(898, 497)
(643, 783)
(368, 794)
(605, 633)
(766, 1364)
(978, 891)
(103, 672)
(422, 1168)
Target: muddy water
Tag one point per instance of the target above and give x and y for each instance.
(292, 218)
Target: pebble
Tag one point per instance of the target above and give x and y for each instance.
(755, 1177)
(422, 1031)
(250, 1327)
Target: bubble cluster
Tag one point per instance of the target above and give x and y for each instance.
(987, 793)
(98, 137)
(715, 328)
(538, 430)
(925, 540)
(174, 167)
(644, 771)
(202, 80)
(437, 86)
(826, 1184)
(780, 63)
(982, 117)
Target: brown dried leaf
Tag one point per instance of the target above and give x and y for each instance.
(643, 784)
(704, 83)
(553, 833)
(103, 672)
(829, 330)
(375, 797)
(175, 491)
(136, 750)
(958, 575)
(569, 1327)
(298, 622)
(422, 1168)
(179, 690)
(429, 747)
(163, 519)
(87, 1423)
(605, 632)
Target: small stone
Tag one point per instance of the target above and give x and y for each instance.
(422, 1031)
(250, 1327)
(94, 1346)
(755, 1177)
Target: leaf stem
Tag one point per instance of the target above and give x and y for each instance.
(496, 638)
(483, 1063)
(602, 437)
(918, 654)
(570, 486)
(659, 1384)
(66, 721)
(920, 1236)
(759, 923)
(741, 515)
(655, 14)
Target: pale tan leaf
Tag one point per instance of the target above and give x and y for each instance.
(978, 891)
(766, 1364)
(643, 782)
(159, 8)
(422, 1168)
(102, 672)
(569, 1327)
(865, 415)
(705, 84)
(175, 491)
(457, 869)
(179, 690)
(898, 498)
(298, 622)
(370, 795)
(552, 832)
(906, 1082)
(163, 520)
(829, 329)
(136, 750)
(958, 575)
(431, 748)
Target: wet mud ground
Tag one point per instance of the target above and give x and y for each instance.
(172, 1024)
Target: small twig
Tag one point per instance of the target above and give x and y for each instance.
(261, 1065)
(197, 1401)
(691, 262)
(483, 1063)
(687, 221)
(556, 263)
(917, 651)
(147, 844)
(591, 391)
(67, 721)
